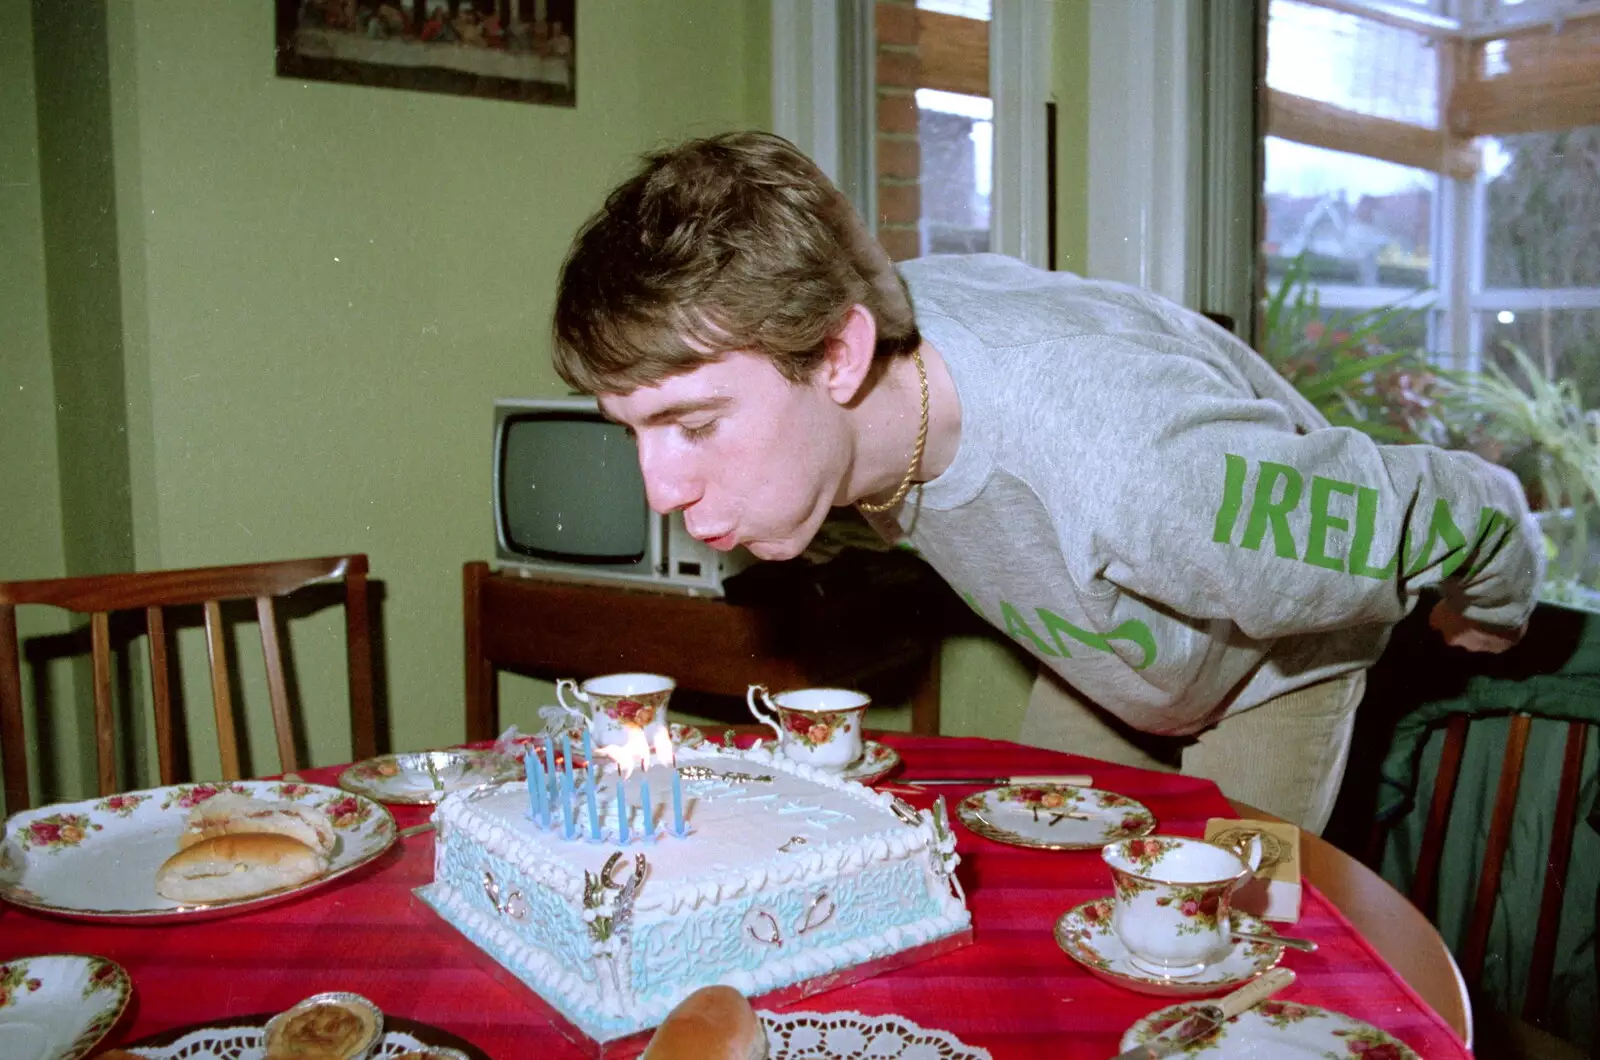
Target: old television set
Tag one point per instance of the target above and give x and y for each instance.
(569, 503)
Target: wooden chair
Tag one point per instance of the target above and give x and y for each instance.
(1471, 950)
(153, 591)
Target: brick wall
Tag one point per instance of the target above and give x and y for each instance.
(899, 155)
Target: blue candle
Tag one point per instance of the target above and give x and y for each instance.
(677, 804)
(567, 806)
(648, 831)
(594, 808)
(566, 759)
(536, 790)
(622, 812)
(550, 764)
(588, 755)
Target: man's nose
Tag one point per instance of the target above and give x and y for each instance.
(668, 485)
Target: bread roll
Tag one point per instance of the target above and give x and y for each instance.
(322, 1030)
(713, 1023)
(230, 814)
(236, 866)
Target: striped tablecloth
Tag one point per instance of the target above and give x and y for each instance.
(1012, 991)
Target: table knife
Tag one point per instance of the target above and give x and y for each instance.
(1207, 1017)
(1077, 780)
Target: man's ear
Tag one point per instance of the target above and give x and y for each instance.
(847, 361)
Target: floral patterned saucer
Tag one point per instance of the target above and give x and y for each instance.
(1278, 1030)
(97, 859)
(875, 763)
(1054, 816)
(1084, 933)
(424, 777)
(58, 1007)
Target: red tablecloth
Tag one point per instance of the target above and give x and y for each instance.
(1013, 991)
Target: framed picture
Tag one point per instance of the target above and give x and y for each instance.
(523, 50)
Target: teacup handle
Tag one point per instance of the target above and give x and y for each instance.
(1249, 848)
(577, 694)
(750, 698)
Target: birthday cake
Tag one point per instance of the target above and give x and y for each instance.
(761, 874)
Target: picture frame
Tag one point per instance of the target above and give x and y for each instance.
(519, 50)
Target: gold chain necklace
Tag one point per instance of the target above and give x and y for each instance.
(916, 454)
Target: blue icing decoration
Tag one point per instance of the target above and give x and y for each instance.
(708, 944)
(553, 924)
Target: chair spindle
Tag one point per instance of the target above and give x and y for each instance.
(1505, 804)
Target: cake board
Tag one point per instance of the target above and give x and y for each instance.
(631, 1045)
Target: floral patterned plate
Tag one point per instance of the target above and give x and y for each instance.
(1054, 816)
(58, 1007)
(1084, 932)
(97, 859)
(422, 778)
(1278, 1030)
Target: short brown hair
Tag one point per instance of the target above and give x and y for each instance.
(735, 242)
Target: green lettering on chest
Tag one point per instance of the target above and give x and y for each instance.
(1133, 631)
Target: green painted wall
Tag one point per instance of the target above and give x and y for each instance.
(276, 313)
(30, 491)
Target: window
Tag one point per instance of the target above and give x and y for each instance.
(1445, 165)
(935, 134)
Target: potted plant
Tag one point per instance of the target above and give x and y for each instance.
(1543, 433)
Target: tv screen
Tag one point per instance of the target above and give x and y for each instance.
(571, 489)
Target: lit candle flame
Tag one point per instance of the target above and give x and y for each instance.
(634, 754)
(663, 748)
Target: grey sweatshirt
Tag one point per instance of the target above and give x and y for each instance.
(1140, 501)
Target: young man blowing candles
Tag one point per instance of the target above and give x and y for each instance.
(1124, 488)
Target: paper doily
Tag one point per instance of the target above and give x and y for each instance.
(247, 1043)
(853, 1036)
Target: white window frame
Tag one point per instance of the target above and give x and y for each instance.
(1144, 186)
(819, 103)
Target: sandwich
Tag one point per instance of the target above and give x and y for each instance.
(713, 1023)
(231, 867)
(230, 814)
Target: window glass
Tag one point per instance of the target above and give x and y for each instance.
(1564, 342)
(1353, 63)
(956, 139)
(1542, 215)
(1353, 220)
(979, 9)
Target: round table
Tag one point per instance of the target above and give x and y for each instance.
(1396, 928)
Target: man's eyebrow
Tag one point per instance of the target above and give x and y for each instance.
(678, 409)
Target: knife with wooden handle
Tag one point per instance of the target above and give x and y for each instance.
(1207, 1017)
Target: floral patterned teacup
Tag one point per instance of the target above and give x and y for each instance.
(1173, 905)
(819, 727)
(620, 704)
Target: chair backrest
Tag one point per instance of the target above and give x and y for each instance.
(1425, 884)
(153, 592)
